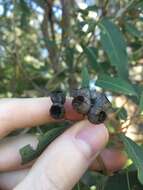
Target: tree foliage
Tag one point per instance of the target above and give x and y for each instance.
(45, 44)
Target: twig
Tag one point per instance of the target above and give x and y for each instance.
(122, 11)
(81, 54)
(66, 9)
(50, 16)
(52, 49)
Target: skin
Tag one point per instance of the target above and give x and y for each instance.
(83, 142)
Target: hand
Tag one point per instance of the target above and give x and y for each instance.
(64, 161)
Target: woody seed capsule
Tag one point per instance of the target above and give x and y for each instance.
(57, 111)
(58, 97)
(97, 113)
(81, 104)
(81, 92)
(81, 101)
(95, 117)
(93, 95)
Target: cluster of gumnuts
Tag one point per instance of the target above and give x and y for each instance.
(90, 103)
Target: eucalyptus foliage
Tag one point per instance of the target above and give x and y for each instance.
(46, 45)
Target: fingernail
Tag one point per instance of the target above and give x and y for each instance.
(95, 137)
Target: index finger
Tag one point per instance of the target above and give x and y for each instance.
(29, 112)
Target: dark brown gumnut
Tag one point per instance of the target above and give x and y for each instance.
(81, 104)
(93, 95)
(102, 102)
(102, 117)
(97, 118)
(58, 96)
(97, 113)
(81, 92)
(57, 111)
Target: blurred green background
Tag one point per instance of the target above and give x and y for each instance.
(45, 44)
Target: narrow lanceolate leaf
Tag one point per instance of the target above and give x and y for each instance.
(28, 153)
(85, 77)
(114, 45)
(69, 54)
(135, 152)
(117, 85)
(133, 30)
(91, 55)
(141, 103)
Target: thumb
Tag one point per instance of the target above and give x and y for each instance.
(64, 162)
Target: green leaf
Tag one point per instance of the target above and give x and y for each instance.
(117, 85)
(91, 55)
(116, 182)
(27, 153)
(139, 5)
(85, 77)
(141, 102)
(135, 152)
(94, 179)
(92, 8)
(48, 137)
(122, 113)
(133, 30)
(69, 56)
(25, 13)
(81, 186)
(131, 168)
(120, 181)
(114, 45)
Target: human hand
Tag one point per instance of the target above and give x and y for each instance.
(64, 161)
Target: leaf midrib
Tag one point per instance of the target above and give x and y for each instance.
(114, 47)
(119, 87)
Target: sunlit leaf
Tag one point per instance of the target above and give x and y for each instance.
(117, 85)
(114, 45)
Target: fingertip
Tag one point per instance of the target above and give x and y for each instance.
(95, 136)
(74, 150)
(113, 159)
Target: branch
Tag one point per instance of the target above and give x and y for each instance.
(50, 17)
(52, 48)
(67, 7)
